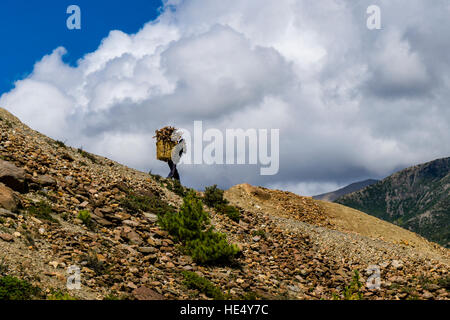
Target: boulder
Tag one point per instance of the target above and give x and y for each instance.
(8, 199)
(45, 180)
(151, 217)
(101, 220)
(6, 237)
(147, 250)
(144, 293)
(131, 235)
(12, 176)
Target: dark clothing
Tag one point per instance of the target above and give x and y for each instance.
(173, 171)
(181, 146)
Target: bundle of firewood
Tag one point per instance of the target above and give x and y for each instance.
(164, 143)
(165, 134)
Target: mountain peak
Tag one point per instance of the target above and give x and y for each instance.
(416, 198)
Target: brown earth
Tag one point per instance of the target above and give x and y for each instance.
(292, 247)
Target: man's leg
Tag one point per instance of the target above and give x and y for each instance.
(172, 167)
(175, 174)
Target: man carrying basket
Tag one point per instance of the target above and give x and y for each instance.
(170, 146)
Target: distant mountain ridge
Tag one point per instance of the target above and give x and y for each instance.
(416, 198)
(356, 186)
(61, 206)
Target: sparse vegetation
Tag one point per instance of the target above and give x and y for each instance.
(42, 210)
(191, 227)
(8, 123)
(260, 233)
(49, 194)
(12, 288)
(444, 282)
(352, 292)
(3, 267)
(250, 295)
(60, 144)
(203, 285)
(230, 211)
(85, 216)
(111, 297)
(213, 197)
(87, 155)
(59, 295)
(134, 203)
(211, 247)
(157, 177)
(176, 187)
(67, 157)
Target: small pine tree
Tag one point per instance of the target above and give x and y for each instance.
(213, 197)
(189, 222)
(352, 292)
(190, 226)
(211, 247)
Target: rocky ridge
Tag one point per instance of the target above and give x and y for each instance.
(290, 249)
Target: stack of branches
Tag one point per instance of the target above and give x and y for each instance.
(165, 134)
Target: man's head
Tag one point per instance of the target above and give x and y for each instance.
(176, 135)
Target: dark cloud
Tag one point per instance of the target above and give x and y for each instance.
(350, 103)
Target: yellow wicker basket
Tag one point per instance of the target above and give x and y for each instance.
(164, 149)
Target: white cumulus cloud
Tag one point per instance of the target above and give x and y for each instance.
(350, 103)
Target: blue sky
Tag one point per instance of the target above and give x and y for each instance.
(32, 29)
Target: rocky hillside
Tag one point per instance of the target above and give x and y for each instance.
(417, 198)
(63, 207)
(356, 186)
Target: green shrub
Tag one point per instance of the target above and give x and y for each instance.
(157, 177)
(352, 292)
(111, 297)
(176, 187)
(134, 203)
(444, 282)
(260, 233)
(213, 197)
(191, 227)
(230, 211)
(87, 155)
(85, 216)
(3, 267)
(59, 295)
(203, 285)
(189, 222)
(250, 295)
(42, 210)
(12, 288)
(211, 247)
(60, 144)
